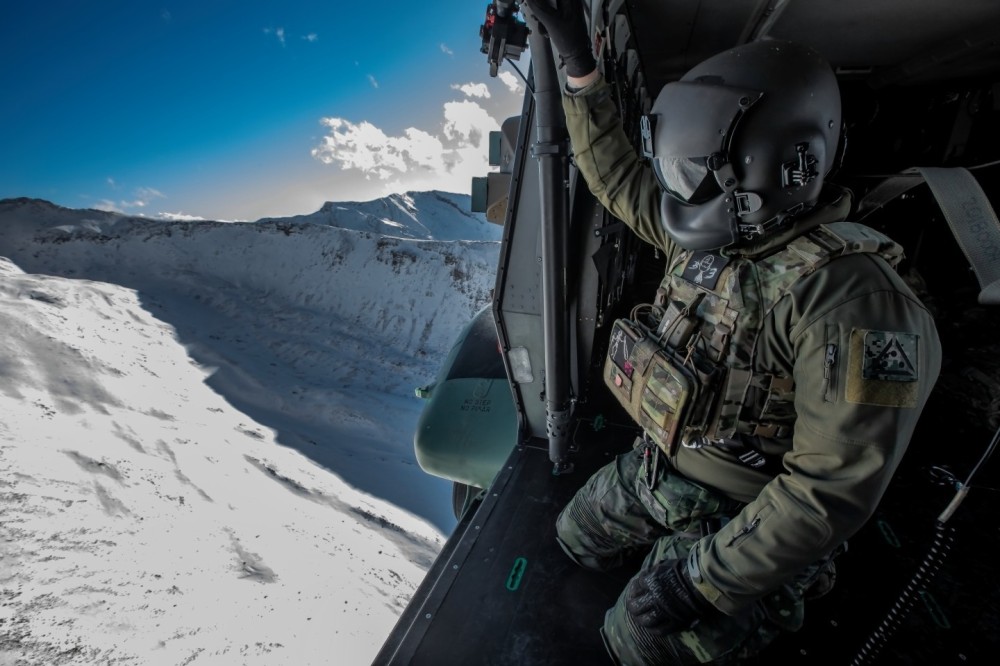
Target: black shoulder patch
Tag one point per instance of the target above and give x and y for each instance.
(704, 269)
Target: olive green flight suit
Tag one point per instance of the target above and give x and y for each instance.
(846, 429)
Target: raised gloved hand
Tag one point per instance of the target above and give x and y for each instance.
(564, 24)
(663, 600)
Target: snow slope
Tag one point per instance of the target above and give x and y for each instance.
(206, 429)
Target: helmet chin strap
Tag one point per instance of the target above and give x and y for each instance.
(738, 204)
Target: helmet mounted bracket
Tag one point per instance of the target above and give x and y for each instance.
(796, 173)
(647, 129)
(737, 203)
(802, 170)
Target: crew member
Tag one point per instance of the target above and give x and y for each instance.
(793, 362)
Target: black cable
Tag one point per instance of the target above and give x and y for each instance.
(989, 452)
(526, 84)
(943, 537)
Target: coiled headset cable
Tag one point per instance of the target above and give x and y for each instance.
(944, 535)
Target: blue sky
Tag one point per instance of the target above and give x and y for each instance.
(239, 109)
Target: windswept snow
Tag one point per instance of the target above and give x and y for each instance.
(206, 428)
(437, 215)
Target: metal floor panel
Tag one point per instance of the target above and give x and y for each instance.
(503, 592)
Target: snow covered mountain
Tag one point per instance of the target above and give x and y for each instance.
(426, 215)
(206, 427)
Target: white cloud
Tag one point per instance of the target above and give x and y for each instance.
(445, 50)
(148, 193)
(467, 122)
(179, 217)
(142, 197)
(107, 205)
(437, 156)
(277, 32)
(371, 80)
(311, 37)
(367, 148)
(416, 159)
(472, 89)
(513, 83)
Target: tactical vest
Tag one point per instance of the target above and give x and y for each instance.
(683, 366)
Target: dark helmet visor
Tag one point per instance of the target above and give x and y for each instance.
(693, 120)
(687, 179)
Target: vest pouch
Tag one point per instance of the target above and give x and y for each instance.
(619, 366)
(667, 393)
(676, 326)
(655, 389)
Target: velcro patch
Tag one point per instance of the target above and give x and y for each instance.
(890, 356)
(883, 368)
(704, 268)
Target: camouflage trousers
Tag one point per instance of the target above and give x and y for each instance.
(617, 514)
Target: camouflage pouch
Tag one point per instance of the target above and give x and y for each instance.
(655, 389)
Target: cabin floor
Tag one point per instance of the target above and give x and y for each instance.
(503, 593)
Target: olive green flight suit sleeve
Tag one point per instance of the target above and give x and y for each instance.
(864, 354)
(616, 176)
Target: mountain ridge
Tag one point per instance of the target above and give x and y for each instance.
(415, 215)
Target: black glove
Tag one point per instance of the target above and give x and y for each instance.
(565, 26)
(663, 600)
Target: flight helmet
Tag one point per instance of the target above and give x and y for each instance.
(741, 144)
